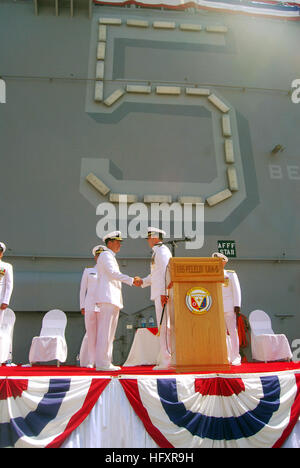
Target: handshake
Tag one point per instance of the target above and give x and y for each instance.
(137, 281)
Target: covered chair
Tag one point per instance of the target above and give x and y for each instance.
(51, 344)
(6, 335)
(84, 352)
(265, 344)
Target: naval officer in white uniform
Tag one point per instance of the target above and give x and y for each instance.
(157, 280)
(87, 305)
(232, 306)
(108, 297)
(6, 282)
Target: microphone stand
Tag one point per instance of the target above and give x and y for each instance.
(174, 243)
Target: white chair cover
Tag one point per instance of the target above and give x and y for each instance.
(51, 344)
(144, 350)
(265, 344)
(84, 352)
(6, 335)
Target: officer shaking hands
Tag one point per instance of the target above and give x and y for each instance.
(109, 300)
(157, 280)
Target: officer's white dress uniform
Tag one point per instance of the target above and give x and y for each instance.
(232, 298)
(157, 280)
(6, 283)
(88, 286)
(108, 296)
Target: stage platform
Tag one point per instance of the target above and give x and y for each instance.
(252, 405)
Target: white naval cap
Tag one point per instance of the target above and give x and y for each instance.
(98, 249)
(114, 235)
(155, 232)
(220, 255)
(2, 246)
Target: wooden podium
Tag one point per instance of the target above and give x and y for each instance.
(198, 332)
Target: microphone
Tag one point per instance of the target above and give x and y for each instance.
(174, 243)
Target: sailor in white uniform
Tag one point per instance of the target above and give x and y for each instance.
(6, 282)
(157, 280)
(87, 305)
(108, 297)
(232, 306)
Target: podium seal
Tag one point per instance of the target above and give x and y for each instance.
(198, 300)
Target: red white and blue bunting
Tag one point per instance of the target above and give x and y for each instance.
(177, 411)
(41, 411)
(266, 8)
(243, 412)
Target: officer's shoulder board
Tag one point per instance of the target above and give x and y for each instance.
(230, 271)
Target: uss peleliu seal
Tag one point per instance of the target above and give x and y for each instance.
(198, 300)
